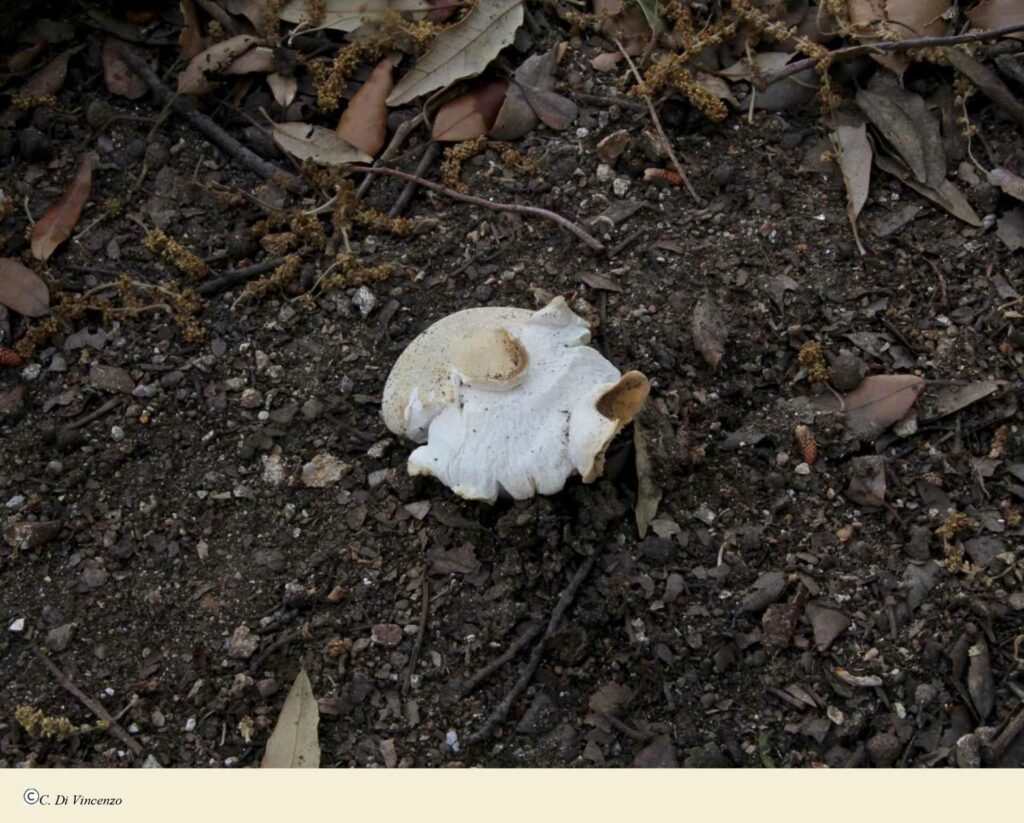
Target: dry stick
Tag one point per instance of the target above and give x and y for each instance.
(429, 156)
(95, 707)
(657, 124)
(401, 133)
(995, 751)
(424, 612)
(521, 642)
(536, 211)
(110, 405)
(207, 127)
(234, 278)
(847, 52)
(503, 708)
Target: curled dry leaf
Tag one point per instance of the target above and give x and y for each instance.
(531, 99)
(709, 332)
(258, 60)
(194, 79)
(308, 142)
(349, 15)
(1009, 182)
(648, 494)
(191, 38)
(854, 156)
(50, 78)
(879, 401)
(61, 218)
(994, 14)
(364, 123)
(295, 742)
(470, 115)
(120, 79)
(903, 119)
(464, 50)
(22, 290)
(947, 195)
(283, 87)
(624, 21)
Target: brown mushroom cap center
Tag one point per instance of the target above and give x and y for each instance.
(491, 358)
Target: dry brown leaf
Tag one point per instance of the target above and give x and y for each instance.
(994, 14)
(364, 123)
(23, 58)
(295, 742)
(947, 195)
(717, 86)
(22, 290)
(606, 61)
(918, 18)
(531, 99)
(464, 50)
(191, 38)
(283, 87)
(878, 402)
(194, 79)
(942, 400)
(258, 60)
(349, 15)
(854, 156)
(600, 282)
(470, 115)
(625, 22)
(1010, 229)
(709, 331)
(781, 96)
(118, 78)
(60, 220)
(50, 78)
(903, 119)
(1006, 180)
(322, 146)
(648, 495)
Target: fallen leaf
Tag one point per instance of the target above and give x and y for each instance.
(780, 96)
(1010, 229)
(717, 86)
(854, 157)
(56, 225)
(606, 61)
(50, 78)
(947, 195)
(347, 15)
(600, 282)
(987, 82)
(364, 123)
(23, 58)
(650, 11)
(323, 146)
(258, 60)
(878, 402)
(191, 38)
(194, 79)
(980, 682)
(648, 495)
(995, 14)
(294, 743)
(625, 22)
(464, 50)
(917, 18)
(1009, 182)
(283, 87)
(118, 78)
(709, 331)
(460, 560)
(903, 119)
(471, 114)
(942, 400)
(22, 290)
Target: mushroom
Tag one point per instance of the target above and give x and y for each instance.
(509, 401)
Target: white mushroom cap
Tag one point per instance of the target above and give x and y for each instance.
(509, 401)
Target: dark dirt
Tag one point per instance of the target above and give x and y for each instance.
(766, 620)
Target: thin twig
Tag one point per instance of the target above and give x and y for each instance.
(657, 123)
(429, 156)
(207, 127)
(110, 405)
(848, 52)
(502, 709)
(424, 612)
(579, 231)
(520, 643)
(95, 707)
(401, 134)
(238, 276)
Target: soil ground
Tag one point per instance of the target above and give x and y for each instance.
(767, 619)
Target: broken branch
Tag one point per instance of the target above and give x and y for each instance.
(536, 211)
